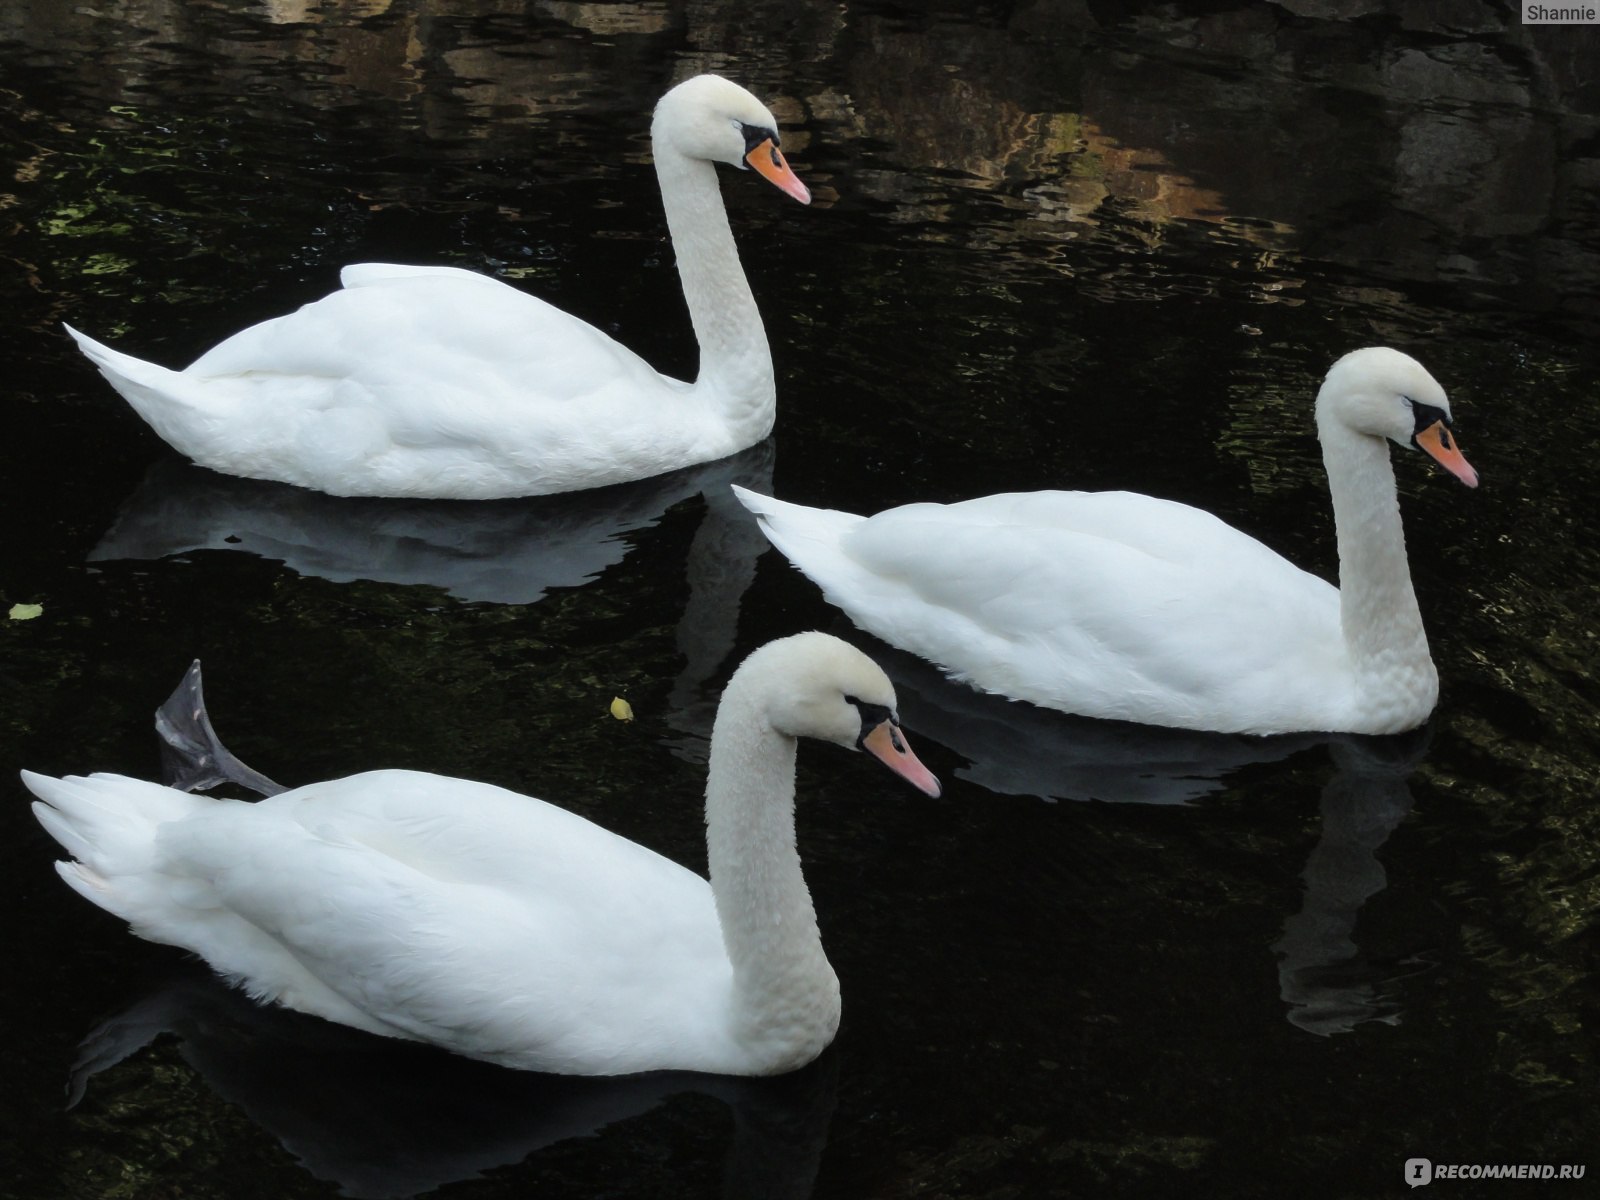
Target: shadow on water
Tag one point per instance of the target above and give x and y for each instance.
(495, 552)
(1323, 977)
(384, 1119)
(1015, 748)
(1019, 749)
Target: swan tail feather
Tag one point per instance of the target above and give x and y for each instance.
(175, 404)
(790, 527)
(123, 370)
(107, 824)
(814, 540)
(89, 884)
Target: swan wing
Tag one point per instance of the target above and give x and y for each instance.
(439, 327)
(453, 912)
(429, 382)
(1110, 604)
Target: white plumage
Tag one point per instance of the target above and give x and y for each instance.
(1114, 604)
(435, 382)
(496, 925)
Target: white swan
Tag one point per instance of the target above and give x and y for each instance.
(434, 382)
(1112, 604)
(498, 926)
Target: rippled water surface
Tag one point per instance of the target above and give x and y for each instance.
(1076, 244)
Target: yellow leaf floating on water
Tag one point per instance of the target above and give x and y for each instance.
(621, 709)
(25, 612)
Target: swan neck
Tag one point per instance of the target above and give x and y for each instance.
(735, 361)
(1377, 605)
(785, 992)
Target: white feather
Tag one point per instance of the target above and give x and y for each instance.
(1119, 605)
(496, 925)
(434, 382)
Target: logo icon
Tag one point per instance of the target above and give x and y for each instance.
(1418, 1171)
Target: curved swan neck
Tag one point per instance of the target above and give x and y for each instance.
(769, 926)
(735, 361)
(1377, 605)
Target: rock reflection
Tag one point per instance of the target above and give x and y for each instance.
(1328, 984)
(383, 1118)
(501, 551)
(1074, 136)
(1458, 158)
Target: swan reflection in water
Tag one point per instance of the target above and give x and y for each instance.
(493, 551)
(383, 1118)
(1328, 984)
(1015, 748)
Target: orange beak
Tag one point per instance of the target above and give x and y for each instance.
(888, 745)
(1439, 444)
(769, 161)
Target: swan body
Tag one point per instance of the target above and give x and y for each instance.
(436, 382)
(1119, 605)
(498, 926)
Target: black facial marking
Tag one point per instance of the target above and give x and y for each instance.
(1427, 414)
(754, 135)
(1426, 417)
(873, 715)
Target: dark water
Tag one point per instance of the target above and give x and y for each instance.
(1084, 245)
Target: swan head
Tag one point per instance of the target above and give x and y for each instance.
(712, 118)
(815, 685)
(1384, 393)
